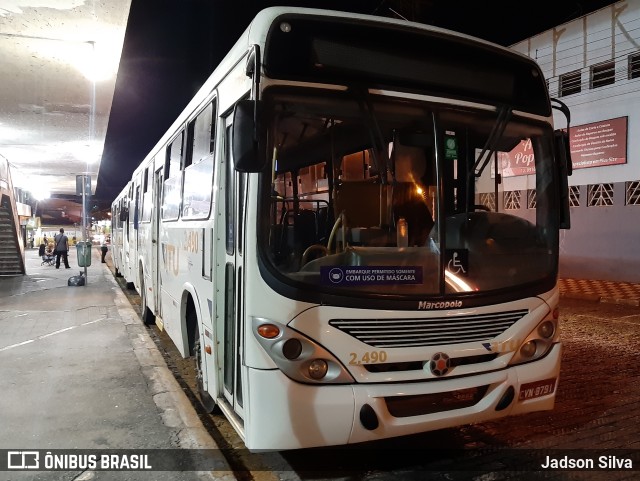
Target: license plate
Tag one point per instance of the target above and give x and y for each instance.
(536, 389)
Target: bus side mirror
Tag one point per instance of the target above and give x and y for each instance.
(564, 165)
(564, 169)
(563, 149)
(248, 151)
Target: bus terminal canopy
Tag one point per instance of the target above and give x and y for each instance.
(59, 63)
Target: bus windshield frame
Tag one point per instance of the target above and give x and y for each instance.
(344, 182)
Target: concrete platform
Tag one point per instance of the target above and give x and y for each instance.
(78, 370)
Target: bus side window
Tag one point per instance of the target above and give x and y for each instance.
(172, 184)
(198, 171)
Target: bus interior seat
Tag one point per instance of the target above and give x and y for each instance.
(354, 198)
(305, 228)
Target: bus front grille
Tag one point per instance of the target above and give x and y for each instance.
(389, 333)
(418, 405)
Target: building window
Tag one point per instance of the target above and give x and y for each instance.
(512, 199)
(633, 193)
(488, 199)
(574, 196)
(531, 199)
(603, 74)
(634, 65)
(570, 83)
(600, 195)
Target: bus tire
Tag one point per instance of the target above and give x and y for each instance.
(148, 317)
(208, 403)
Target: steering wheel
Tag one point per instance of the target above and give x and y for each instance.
(312, 248)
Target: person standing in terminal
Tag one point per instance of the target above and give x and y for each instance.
(104, 249)
(61, 246)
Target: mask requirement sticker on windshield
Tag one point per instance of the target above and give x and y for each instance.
(370, 275)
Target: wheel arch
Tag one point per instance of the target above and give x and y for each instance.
(189, 316)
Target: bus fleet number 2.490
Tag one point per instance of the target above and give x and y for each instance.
(369, 357)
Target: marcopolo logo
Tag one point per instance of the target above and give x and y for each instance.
(426, 305)
(440, 364)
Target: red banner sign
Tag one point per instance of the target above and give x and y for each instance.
(520, 161)
(599, 143)
(592, 145)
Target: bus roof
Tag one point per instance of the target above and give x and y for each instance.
(256, 34)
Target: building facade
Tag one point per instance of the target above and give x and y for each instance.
(592, 64)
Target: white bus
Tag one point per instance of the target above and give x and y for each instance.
(120, 230)
(324, 229)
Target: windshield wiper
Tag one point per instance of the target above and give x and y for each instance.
(375, 134)
(504, 114)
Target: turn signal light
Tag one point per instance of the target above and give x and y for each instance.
(268, 331)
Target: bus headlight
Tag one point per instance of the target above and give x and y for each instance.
(292, 348)
(318, 368)
(547, 329)
(539, 342)
(528, 349)
(297, 356)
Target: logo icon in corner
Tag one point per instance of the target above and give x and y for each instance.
(23, 460)
(440, 364)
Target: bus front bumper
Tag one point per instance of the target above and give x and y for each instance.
(284, 414)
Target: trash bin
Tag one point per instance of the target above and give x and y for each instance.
(84, 253)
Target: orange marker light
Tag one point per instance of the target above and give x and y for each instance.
(207, 349)
(268, 331)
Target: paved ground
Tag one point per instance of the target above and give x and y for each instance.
(603, 291)
(78, 370)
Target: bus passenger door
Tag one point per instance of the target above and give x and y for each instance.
(229, 278)
(156, 277)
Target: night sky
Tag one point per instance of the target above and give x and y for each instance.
(172, 46)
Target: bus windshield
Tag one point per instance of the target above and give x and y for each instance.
(374, 195)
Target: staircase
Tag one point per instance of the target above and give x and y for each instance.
(11, 246)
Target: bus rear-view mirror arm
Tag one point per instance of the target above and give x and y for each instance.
(564, 165)
(248, 152)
